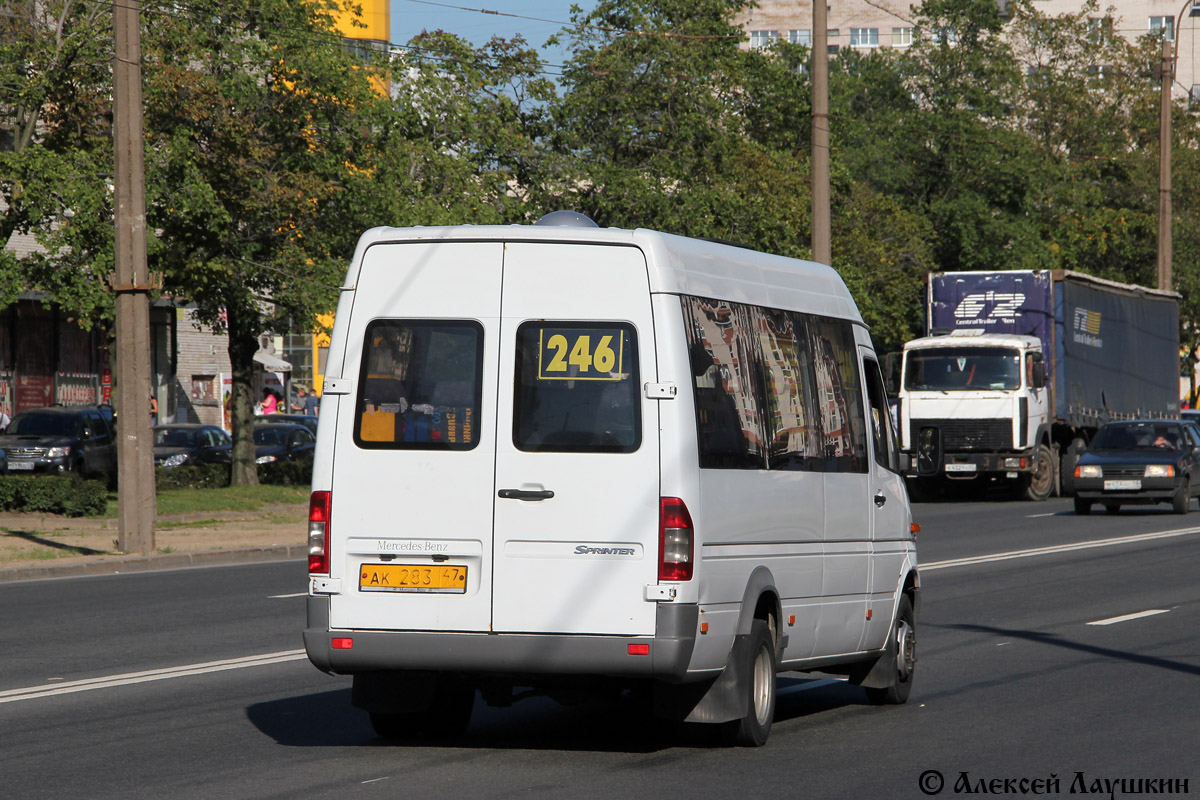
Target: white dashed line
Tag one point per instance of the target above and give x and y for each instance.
(1126, 617)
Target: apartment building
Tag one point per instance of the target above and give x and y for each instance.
(867, 24)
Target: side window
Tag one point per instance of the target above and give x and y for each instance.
(839, 398)
(727, 375)
(884, 441)
(793, 430)
(420, 385)
(577, 388)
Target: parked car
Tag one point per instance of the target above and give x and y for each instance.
(60, 439)
(190, 444)
(1139, 462)
(295, 419)
(282, 442)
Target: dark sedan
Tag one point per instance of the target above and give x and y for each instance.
(190, 444)
(282, 442)
(1138, 462)
(294, 419)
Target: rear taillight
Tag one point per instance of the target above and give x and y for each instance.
(318, 533)
(675, 540)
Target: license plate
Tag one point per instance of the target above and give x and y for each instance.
(960, 468)
(1117, 485)
(16, 465)
(431, 578)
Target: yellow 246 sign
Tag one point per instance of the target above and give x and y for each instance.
(594, 354)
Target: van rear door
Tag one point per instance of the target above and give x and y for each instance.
(577, 485)
(414, 464)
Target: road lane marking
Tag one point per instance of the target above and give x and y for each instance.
(130, 678)
(1058, 548)
(1038, 516)
(284, 596)
(1126, 617)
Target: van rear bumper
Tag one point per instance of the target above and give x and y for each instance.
(506, 653)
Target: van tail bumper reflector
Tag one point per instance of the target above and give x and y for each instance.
(639, 649)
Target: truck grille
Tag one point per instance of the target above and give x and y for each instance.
(959, 435)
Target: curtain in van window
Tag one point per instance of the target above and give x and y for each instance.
(839, 395)
(727, 374)
(793, 430)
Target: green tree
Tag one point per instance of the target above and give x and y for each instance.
(256, 117)
(56, 153)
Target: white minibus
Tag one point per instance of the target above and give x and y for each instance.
(559, 457)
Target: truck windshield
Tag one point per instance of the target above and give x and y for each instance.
(951, 369)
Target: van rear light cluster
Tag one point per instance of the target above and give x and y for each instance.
(675, 540)
(318, 533)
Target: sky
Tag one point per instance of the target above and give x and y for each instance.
(408, 18)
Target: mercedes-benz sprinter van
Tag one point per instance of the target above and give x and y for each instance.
(569, 456)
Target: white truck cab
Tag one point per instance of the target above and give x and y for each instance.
(563, 457)
(987, 393)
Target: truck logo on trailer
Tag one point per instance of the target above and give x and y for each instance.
(1005, 307)
(1086, 327)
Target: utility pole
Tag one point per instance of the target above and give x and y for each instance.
(1167, 74)
(131, 282)
(821, 233)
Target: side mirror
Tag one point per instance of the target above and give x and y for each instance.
(1039, 374)
(930, 457)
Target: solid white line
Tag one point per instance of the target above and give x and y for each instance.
(130, 678)
(1126, 617)
(285, 596)
(1058, 548)
(1037, 516)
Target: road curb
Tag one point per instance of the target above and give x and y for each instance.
(157, 561)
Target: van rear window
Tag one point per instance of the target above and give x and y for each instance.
(420, 385)
(577, 388)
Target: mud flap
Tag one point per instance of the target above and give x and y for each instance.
(722, 699)
(877, 675)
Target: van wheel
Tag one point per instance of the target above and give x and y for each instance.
(903, 645)
(753, 729)
(1039, 484)
(447, 718)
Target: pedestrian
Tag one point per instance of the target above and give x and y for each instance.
(269, 402)
(298, 405)
(312, 404)
(4, 420)
(153, 411)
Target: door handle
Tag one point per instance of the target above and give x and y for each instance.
(525, 494)
(880, 499)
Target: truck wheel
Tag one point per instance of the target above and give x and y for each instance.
(1182, 497)
(1083, 507)
(753, 729)
(903, 645)
(1069, 460)
(1039, 484)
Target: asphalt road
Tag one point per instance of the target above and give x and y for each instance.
(131, 686)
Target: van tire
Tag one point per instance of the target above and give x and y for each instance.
(902, 645)
(447, 717)
(753, 729)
